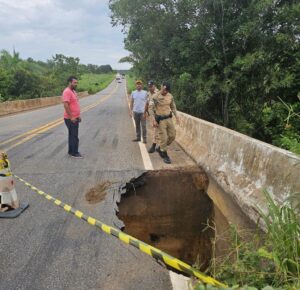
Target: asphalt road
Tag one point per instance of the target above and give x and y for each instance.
(46, 248)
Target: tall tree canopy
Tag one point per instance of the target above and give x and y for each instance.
(229, 61)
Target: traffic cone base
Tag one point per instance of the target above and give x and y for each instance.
(15, 212)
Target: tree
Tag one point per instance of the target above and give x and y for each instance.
(4, 84)
(227, 60)
(23, 79)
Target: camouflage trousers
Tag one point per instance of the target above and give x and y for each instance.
(166, 133)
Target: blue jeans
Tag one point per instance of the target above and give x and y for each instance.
(73, 136)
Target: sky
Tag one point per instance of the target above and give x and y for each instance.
(79, 28)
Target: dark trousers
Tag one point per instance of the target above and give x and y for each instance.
(73, 136)
(140, 121)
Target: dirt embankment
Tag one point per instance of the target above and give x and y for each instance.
(171, 212)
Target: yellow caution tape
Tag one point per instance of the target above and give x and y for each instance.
(127, 239)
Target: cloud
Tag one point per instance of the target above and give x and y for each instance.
(40, 29)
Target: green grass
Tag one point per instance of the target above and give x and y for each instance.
(266, 261)
(282, 246)
(94, 83)
(130, 83)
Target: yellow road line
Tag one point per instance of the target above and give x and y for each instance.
(28, 132)
(34, 132)
(29, 137)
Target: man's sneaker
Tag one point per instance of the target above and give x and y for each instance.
(152, 148)
(77, 156)
(145, 141)
(166, 157)
(136, 140)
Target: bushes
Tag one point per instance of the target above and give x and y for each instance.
(24, 84)
(130, 83)
(270, 259)
(282, 244)
(28, 79)
(280, 124)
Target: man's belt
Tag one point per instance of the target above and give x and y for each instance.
(159, 118)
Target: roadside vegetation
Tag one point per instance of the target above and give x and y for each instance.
(29, 79)
(94, 83)
(269, 261)
(130, 79)
(234, 63)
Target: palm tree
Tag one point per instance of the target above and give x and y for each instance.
(9, 61)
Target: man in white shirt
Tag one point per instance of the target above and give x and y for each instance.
(137, 110)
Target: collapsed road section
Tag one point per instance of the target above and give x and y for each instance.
(143, 247)
(171, 210)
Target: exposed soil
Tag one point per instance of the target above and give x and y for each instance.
(170, 210)
(97, 193)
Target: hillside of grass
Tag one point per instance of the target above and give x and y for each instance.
(94, 83)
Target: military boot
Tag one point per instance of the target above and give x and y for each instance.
(166, 157)
(159, 152)
(152, 148)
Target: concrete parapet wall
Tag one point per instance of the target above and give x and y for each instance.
(12, 107)
(240, 165)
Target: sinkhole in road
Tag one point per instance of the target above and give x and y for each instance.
(171, 210)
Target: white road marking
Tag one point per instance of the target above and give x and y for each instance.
(179, 282)
(145, 155)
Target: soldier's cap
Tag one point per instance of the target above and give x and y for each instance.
(138, 82)
(150, 83)
(167, 86)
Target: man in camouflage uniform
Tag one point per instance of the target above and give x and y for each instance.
(152, 90)
(162, 111)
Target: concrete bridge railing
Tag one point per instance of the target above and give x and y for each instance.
(11, 107)
(240, 165)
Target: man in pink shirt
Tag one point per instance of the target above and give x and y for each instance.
(72, 116)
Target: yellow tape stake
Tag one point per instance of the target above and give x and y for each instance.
(127, 239)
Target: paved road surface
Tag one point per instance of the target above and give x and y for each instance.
(46, 248)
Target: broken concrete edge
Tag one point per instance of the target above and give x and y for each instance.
(13, 107)
(242, 166)
(135, 182)
(139, 181)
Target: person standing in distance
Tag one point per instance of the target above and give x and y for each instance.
(72, 116)
(162, 111)
(152, 90)
(137, 110)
